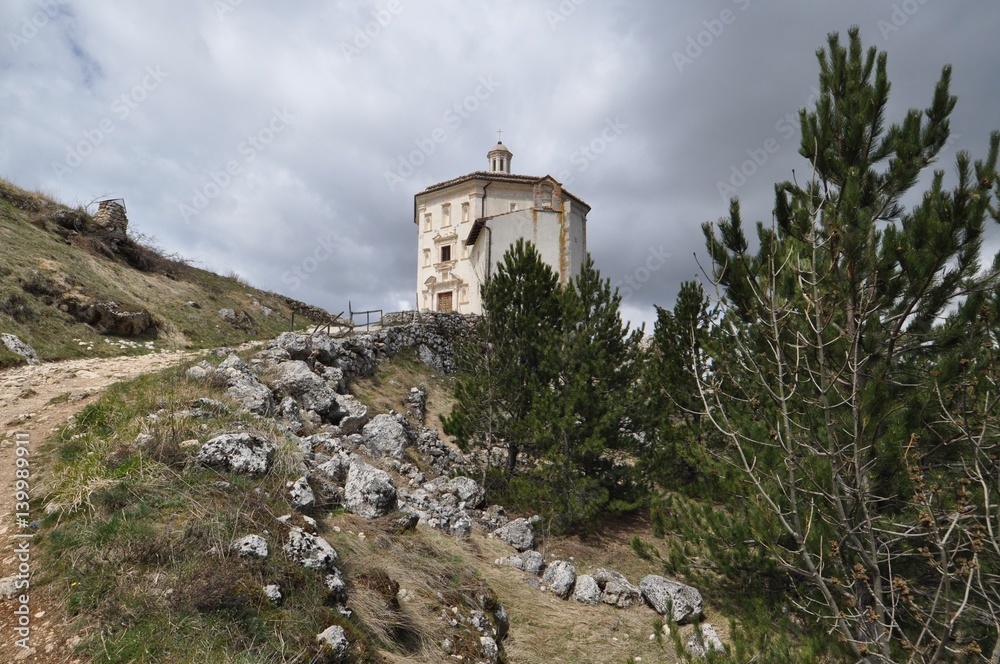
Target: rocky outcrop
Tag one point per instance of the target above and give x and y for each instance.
(587, 591)
(295, 379)
(385, 436)
(529, 561)
(18, 347)
(704, 640)
(237, 318)
(682, 601)
(251, 546)
(311, 551)
(519, 533)
(301, 495)
(369, 492)
(560, 577)
(110, 318)
(243, 453)
(354, 414)
(616, 589)
(333, 641)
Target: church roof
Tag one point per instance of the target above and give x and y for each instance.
(497, 177)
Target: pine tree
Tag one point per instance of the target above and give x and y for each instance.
(590, 438)
(509, 365)
(676, 454)
(862, 421)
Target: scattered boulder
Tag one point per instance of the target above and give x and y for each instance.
(491, 651)
(519, 533)
(385, 436)
(251, 546)
(333, 641)
(683, 602)
(110, 318)
(244, 453)
(242, 385)
(295, 379)
(355, 414)
(336, 588)
(18, 347)
(273, 592)
(587, 591)
(460, 526)
(296, 345)
(704, 640)
(616, 590)
(311, 551)
(560, 577)
(529, 561)
(369, 492)
(237, 318)
(301, 494)
(467, 490)
(336, 468)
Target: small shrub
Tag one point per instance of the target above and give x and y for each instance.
(18, 307)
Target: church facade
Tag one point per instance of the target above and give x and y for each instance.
(465, 225)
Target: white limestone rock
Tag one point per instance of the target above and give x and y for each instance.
(704, 640)
(301, 495)
(311, 551)
(273, 592)
(560, 577)
(491, 651)
(334, 641)
(369, 492)
(587, 591)
(18, 347)
(683, 602)
(467, 490)
(519, 533)
(355, 414)
(251, 546)
(243, 453)
(295, 379)
(616, 589)
(385, 436)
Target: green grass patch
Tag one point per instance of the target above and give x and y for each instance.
(136, 541)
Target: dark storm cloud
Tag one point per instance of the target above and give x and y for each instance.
(287, 144)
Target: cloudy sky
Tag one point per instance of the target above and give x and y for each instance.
(255, 137)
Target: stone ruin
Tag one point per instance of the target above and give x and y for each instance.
(112, 219)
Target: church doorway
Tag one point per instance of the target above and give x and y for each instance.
(444, 303)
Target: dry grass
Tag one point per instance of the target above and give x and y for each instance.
(544, 628)
(389, 388)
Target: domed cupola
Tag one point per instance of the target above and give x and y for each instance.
(499, 158)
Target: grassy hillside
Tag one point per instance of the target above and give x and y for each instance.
(136, 548)
(53, 257)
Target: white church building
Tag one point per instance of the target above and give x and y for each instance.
(465, 225)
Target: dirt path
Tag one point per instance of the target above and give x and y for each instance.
(28, 417)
